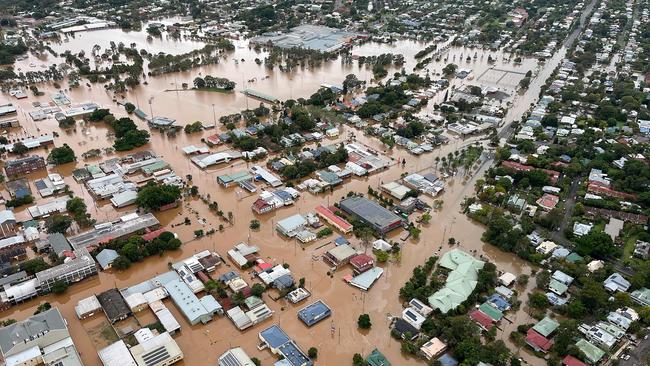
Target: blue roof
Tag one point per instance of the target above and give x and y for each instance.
(22, 192)
(448, 360)
(106, 257)
(283, 194)
(274, 336)
(284, 281)
(341, 240)
(187, 302)
(499, 302)
(294, 355)
(210, 304)
(228, 276)
(314, 313)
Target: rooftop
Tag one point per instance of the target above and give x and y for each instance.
(314, 313)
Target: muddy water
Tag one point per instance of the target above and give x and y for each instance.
(203, 343)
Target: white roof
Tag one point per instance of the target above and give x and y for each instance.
(87, 305)
(116, 355)
(167, 320)
(507, 278)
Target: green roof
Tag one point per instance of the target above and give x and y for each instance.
(557, 287)
(152, 168)
(375, 358)
(641, 296)
(491, 311)
(234, 177)
(592, 353)
(574, 257)
(461, 281)
(546, 326)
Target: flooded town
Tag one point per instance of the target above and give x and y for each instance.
(302, 182)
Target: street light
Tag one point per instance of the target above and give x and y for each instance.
(214, 116)
(150, 107)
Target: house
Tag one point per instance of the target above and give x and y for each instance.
(580, 229)
(642, 249)
(420, 307)
(106, 257)
(361, 263)
(641, 296)
(592, 353)
(42, 339)
(546, 247)
(404, 329)
(314, 313)
(24, 165)
(114, 305)
(460, 282)
(562, 277)
(433, 348)
(548, 201)
(339, 256)
(365, 280)
(413, 317)
(546, 327)
(160, 350)
(572, 361)
(484, 322)
(616, 282)
(7, 224)
(376, 358)
(537, 341)
(507, 279)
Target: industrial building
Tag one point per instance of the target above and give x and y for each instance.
(371, 213)
(124, 226)
(161, 350)
(314, 313)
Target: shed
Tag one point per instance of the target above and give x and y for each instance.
(106, 257)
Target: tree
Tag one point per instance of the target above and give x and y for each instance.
(256, 361)
(58, 224)
(43, 307)
(449, 70)
(357, 360)
(254, 225)
(129, 107)
(121, 263)
(154, 196)
(61, 155)
(199, 83)
(59, 287)
(67, 122)
(258, 289)
(597, 244)
(364, 321)
(538, 300)
(19, 148)
(312, 353)
(33, 266)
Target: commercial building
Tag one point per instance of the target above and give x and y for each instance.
(206, 160)
(40, 339)
(331, 218)
(365, 280)
(371, 213)
(309, 36)
(114, 306)
(58, 205)
(161, 350)
(87, 307)
(291, 225)
(72, 271)
(280, 344)
(339, 256)
(314, 313)
(190, 306)
(124, 226)
(116, 354)
(25, 165)
(235, 357)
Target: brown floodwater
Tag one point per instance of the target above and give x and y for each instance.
(202, 344)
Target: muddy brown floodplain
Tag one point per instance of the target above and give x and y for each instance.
(202, 344)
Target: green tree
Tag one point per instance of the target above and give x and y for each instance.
(58, 223)
(43, 307)
(129, 107)
(61, 155)
(121, 263)
(258, 289)
(154, 196)
(312, 352)
(67, 122)
(357, 360)
(59, 287)
(597, 244)
(19, 148)
(33, 266)
(364, 321)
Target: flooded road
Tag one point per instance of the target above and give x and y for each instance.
(204, 343)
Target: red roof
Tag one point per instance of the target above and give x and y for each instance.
(482, 319)
(153, 234)
(260, 203)
(572, 361)
(552, 174)
(361, 260)
(538, 341)
(548, 201)
(338, 221)
(596, 188)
